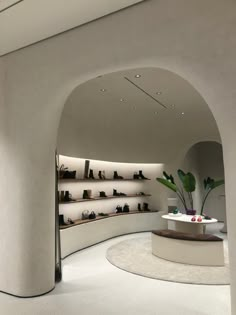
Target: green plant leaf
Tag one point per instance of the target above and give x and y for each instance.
(168, 177)
(189, 182)
(167, 183)
(181, 175)
(217, 183)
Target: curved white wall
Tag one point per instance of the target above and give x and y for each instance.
(175, 36)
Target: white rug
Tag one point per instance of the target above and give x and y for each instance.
(135, 256)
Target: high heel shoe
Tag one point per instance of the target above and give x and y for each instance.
(91, 174)
(116, 176)
(102, 194)
(141, 176)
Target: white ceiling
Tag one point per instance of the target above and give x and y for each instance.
(30, 21)
(137, 128)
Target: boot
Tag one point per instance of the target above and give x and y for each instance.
(85, 194)
(86, 168)
(68, 196)
(118, 209)
(126, 208)
(145, 207)
(103, 175)
(136, 175)
(115, 192)
(91, 174)
(61, 219)
(116, 176)
(139, 207)
(141, 176)
(103, 194)
(100, 175)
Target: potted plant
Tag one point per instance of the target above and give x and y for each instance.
(188, 186)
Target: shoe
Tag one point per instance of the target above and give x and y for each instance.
(139, 207)
(91, 174)
(102, 214)
(135, 176)
(103, 175)
(61, 219)
(126, 208)
(145, 207)
(70, 221)
(103, 194)
(118, 209)
(100, 175)
(141, 176)
(92, 215)
(116, 176)
(115, 193)
(68, 196)
(86, 195)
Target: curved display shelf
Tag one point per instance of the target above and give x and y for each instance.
(103, 198)
(80, 236)
(65, 180)
(100, 217)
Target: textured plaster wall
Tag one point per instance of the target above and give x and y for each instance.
(195, 39)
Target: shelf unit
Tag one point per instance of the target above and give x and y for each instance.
(100, 217)
(103, 198)
(64, 180)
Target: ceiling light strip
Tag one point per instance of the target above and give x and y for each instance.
(10, 6)
(138, 87)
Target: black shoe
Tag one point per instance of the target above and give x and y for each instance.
(86, 195)
(126, 208)
(91, 174)
(116, 176)
(100, 175)
(68, 196)
(122, 194)
(118, 209)
(115, 193)
(145, 207)
(103, 194)
(135, 176)
(141, 176)
(139, 207)
(61, 219)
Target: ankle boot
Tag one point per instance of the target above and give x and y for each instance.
(115, 192)
(61, 219)
(139, 207)
(103, 194)
(145, 207)
(140, 174)
(136, 175)
(100, 175)
(91, 174)
(68, 196)
(116, 176)
(85, 194)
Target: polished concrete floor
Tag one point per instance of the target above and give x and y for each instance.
(92, 286)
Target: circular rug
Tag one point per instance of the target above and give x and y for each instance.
(135, 256)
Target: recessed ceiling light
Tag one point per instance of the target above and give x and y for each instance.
(159, 93)
(122, 100)
(137, 75)
(182, 113)
(103, 90)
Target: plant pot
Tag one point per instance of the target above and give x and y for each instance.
(190, 212)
